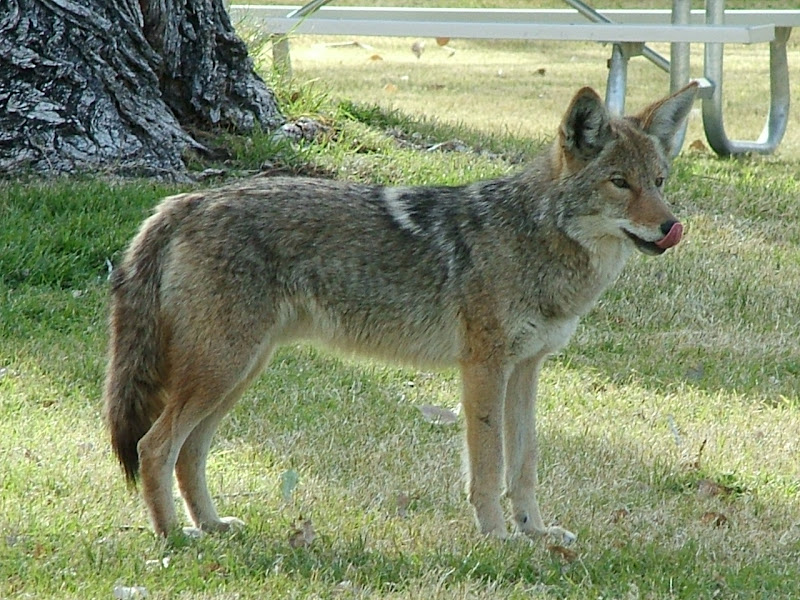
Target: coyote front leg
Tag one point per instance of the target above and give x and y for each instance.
(483, 388)
(521, 451)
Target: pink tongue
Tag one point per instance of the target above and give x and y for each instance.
(672, 238)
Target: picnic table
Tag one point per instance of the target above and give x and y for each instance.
(628, 32)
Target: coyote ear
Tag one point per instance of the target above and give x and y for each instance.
(586, 127)
(664, 118)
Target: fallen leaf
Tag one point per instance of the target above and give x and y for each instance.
(695, 464)
(541, 71)
(564, 554)
(438, 415)
(714, 519)
(347, 588)
(390, 87)
(353, 43)
(791, 535)
(155, 563)
(708, 488)
(85, 448)
(442, 41)
(619, 515)
(376, 57)
(402, 501)
(302, 534)
(123, 592)
(213, 567)
(696, 372)
(211, 174)
(289, 481)
(698, 146)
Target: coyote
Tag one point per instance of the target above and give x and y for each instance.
(491, 276)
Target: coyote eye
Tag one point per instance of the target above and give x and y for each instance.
(620, 183)
(659, 181)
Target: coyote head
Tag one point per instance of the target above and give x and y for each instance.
(615, 169)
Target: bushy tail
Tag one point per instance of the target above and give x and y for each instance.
(136, 369)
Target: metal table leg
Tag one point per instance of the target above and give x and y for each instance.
(617, 82)
(679, 67)
(280, 47)
(778, 116)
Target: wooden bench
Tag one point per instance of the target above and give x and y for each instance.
(627, 31)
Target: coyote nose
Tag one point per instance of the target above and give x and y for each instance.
(666, 226)
(673, 231)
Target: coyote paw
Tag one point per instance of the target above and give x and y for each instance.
(223, 525)
(193, 532)
(564, 536)
(230, 524)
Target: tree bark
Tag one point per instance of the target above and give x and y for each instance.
(118, 84)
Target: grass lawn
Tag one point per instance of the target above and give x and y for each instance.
(669, 427)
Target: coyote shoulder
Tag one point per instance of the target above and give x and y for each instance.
(491, 277)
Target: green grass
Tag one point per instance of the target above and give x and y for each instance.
(686, 373)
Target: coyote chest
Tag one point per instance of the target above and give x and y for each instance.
(541, 337)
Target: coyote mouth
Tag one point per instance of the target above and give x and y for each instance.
(670, 239)
(644, 245)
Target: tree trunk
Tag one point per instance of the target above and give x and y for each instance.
(114, 84)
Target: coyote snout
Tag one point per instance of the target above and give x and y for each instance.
(491, 276)
(672, 232)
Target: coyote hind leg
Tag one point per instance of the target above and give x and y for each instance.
(190, 469)
(158, 453)
(198, 397)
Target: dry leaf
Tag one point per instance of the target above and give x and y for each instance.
(376, 57)
(418, 48)
(695, 464)
(709, 489)
(442, 41)
(714, 519)
(213, 567)
(791, 535)
(696, 372)
(289, 480)
(565, 554)
(85, 448)
(354, 43)
(390, 87)
(155, 563)
(122, 592)
(402, 501)
(302, 534)
(438, 415)
(619, 515)
(541, 71)
(698, 146)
